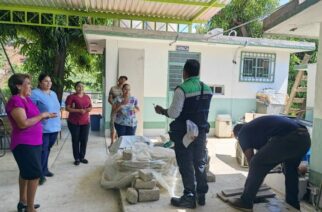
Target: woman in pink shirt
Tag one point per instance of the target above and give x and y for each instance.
(79, 105)
(26, 138)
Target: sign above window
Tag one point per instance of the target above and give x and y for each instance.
(182, 48)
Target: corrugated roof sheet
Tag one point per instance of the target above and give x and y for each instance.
(150, 8)
(293, 46)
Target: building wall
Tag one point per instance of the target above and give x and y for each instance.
(311, 75)
(217, 68)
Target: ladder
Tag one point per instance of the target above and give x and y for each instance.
(298, 92)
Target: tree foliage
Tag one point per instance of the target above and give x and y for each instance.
(59, 52)
(238, 12)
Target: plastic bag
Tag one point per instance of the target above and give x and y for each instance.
(192, 133)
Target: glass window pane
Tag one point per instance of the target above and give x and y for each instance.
(257, 67)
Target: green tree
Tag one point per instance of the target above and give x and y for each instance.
(243, 11)
(59, 52)
(238, 12)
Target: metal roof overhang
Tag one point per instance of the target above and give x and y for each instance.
(95, 39)
(62, 12)
(297, 18)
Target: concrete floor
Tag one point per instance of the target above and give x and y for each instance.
(77, 188)
(73, 188)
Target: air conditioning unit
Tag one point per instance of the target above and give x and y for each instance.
(216, 32)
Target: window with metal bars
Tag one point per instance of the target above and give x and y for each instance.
(257, 67)
(177, 59)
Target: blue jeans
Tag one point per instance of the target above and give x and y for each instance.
(48, 140)
(124, 130)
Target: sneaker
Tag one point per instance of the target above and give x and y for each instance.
(76, 162)
(83, 160)
(22, 207)
(239, 204)
(42, 180)
(49, 174)
(201, 199)
(184, 201)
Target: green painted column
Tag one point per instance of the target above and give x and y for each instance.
(316, 157)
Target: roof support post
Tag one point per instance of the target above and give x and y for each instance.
(316, 157)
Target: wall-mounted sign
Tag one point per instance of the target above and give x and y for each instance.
(182, 48)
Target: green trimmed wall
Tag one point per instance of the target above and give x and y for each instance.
(151, 119)
(316, 157)
(236, 107)
(309, 114)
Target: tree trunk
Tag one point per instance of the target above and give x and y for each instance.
(244, 31)
(59, 72)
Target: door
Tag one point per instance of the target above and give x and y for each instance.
(131, 64)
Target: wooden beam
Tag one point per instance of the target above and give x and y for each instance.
(190, 3)
(212, 3)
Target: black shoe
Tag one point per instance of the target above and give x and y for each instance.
(201, 199)
(49, 174)
(76, 163)
(42, 180)
(184, 201)
(83, 160)
(240, 205)
(21, 207)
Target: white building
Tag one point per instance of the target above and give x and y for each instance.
(236, 67)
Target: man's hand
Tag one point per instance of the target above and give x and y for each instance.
(158, 109)
(249, 153)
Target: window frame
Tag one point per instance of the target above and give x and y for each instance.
(254, 57)
(213, 88)
(180, 64)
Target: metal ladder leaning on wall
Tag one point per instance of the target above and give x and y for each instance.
(298, 92)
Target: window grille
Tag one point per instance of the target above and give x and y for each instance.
(257, 67)
(177, 59)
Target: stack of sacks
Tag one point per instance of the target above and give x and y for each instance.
(144, 188)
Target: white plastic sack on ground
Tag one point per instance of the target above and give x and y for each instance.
(125, 142)
(192, 133)
(119, 173)
(112, 177)
(271, 96)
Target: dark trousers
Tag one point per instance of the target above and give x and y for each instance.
(48, 140)
(192, 163)
(289, 150)
(124, 130)
(79, 135)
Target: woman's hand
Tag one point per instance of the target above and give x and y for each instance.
(82, 111)
(47, 115)
(125, 101)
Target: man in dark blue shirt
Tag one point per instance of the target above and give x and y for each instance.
(278, 139)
